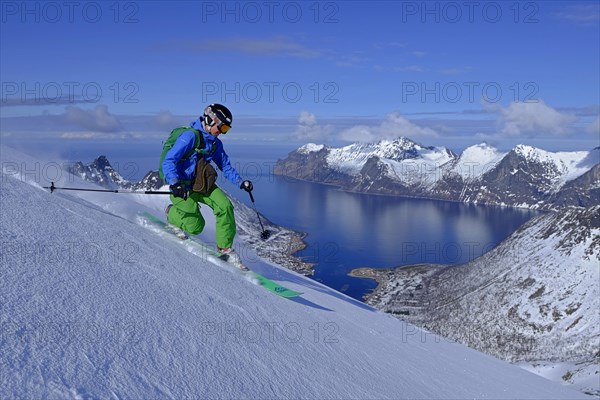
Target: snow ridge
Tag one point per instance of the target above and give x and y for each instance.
(401, 154)
(567, 165)
(476, 160)
(310, 148)
(523, 177)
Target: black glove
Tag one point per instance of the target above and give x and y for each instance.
(178, 190)
(247, 186)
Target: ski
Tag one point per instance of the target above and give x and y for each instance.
(268, 284)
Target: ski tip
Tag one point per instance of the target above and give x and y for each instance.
(275, 287)
(291, 295)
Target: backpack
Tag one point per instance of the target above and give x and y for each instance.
(170, 142)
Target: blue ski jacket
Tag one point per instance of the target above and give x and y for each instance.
(177, 169)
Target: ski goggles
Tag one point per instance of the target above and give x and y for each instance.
(223, 128)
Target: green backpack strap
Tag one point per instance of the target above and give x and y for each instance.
(170, 142)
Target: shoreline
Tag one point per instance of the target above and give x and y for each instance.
(543, 209)
(281, 246)
(287, 258)
(415, 283)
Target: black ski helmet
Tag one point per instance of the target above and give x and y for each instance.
(219, 111)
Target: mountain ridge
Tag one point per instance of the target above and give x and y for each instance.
(101, 172)
(522, 177)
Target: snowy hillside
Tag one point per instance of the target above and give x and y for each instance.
(566, 165)
(279, 248)
(474, 161)
(93, 305)
(533, 299)
(523, 177)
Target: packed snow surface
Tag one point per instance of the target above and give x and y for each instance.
(93, 305)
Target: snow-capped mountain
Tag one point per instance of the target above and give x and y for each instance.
(278, 248)
(533, 299)
(534, 178)
(94, 305)
(101, 172)
(348, 166)
(524, 177)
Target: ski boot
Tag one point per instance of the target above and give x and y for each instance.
(229, 255)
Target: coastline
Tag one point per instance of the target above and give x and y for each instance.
(414, 284)
(544, 208)
(280, 247)
(289, 242)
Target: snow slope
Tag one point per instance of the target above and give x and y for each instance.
(92, 305)
(474, 161)
(532, 299)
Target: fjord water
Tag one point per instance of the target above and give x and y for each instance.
(345, 230)
(352, 230)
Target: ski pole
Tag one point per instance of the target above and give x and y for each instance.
(53, 188)
(265, 234)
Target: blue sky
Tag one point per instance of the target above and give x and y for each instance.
(442, 73)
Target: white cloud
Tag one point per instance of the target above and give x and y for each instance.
(583, 14)
(309, 129)
(594, 127)
(165, 120)
(353, 60)
(410, 68)
(79, 135)
(533, 119)
(393, 126)
(396, 125)
(307, 118)
(358, 133)
(455, 71)
(98, 119)
(272, 47)
(88, 135)
(388, 45)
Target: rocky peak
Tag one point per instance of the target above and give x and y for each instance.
(101, 163)
(101, 172)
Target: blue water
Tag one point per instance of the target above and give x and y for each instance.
(351, 230)
(344, 230)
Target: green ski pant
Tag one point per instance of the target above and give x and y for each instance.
(186, 215)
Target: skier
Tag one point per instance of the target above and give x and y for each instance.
(186, 168)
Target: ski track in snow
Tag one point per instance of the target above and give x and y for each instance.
(93, 305)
